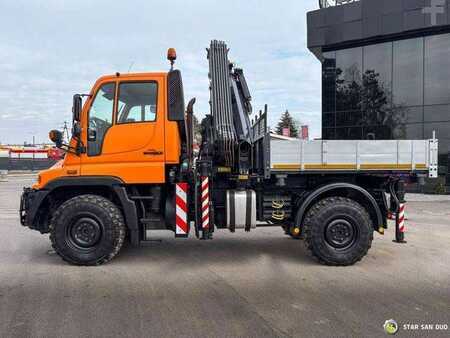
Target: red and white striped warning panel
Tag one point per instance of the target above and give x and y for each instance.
(205, 203)
(401, 217)
(182, 225)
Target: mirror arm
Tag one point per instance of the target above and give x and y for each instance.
(72, 150)
(78, 150)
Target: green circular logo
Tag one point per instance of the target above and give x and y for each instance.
(390, 327)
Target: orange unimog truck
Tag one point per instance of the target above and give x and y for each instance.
(129, 169)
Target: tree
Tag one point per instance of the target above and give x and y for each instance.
(286, 121)
(364, 100)
(197, 129)
(196, 124)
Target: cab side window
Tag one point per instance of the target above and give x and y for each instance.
(100, 118)
(137, 102)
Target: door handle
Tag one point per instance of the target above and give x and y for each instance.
(153, 152)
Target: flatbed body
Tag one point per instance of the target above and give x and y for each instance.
(295, 155)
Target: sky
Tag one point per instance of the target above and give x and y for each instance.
(51, 49)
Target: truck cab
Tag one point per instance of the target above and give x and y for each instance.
(126, 132)
(129, 139)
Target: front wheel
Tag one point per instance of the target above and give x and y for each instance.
(338, 231)
(87, 230)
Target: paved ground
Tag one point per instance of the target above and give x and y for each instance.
(257, 285)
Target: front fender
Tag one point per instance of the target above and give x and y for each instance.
(30, 202)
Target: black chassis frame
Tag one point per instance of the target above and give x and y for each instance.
(304, 189)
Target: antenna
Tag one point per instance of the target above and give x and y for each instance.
(66, 131)
(131, 65)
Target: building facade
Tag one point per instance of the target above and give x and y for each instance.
(385, 70)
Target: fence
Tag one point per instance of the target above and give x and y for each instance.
(35, 159)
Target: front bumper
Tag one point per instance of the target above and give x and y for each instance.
(25, 201)
(30, 203)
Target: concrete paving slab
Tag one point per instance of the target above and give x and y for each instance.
(261, 284)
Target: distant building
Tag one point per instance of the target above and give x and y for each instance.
(304, 135)
(385, 69)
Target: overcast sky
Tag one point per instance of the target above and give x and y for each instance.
(51, 49)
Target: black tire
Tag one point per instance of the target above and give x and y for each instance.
(87, 230)
(338, 231)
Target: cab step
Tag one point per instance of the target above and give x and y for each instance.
(142, 197)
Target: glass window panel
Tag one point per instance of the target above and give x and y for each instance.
(328, 120)
(348, 79)
(378, 66)
(414, 114)
(408, 131)
(352, 133)
(414, 131)
(137, 102)
(328, 133)
(341, 119)
(408, 72)
(442, 130)
(444, 153)
(100, 118)
(444, 145)
(388, 117)
(437, 69)
(352, 118)
(329, 82)
(437, 113)
(377, 133)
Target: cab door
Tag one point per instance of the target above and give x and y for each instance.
(125, 134)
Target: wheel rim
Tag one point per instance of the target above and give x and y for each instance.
(84, 233)
(341, 234)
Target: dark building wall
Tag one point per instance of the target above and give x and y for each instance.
(448, 172)
(391, 90)
(386, 71)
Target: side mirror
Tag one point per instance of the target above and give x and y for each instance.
(76, 107)
(56, 137)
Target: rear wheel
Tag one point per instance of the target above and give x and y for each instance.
(87, 230)
(338, 231)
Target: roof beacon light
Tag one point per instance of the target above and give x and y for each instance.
(171, 56)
